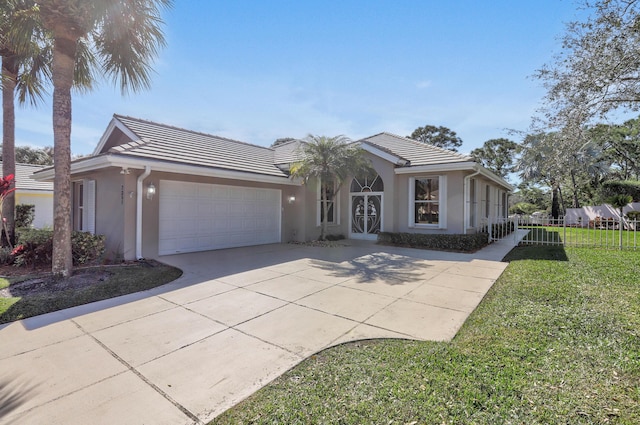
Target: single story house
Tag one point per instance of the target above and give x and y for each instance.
(36, 193)
(155, 190)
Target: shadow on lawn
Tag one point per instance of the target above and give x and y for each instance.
(537, 252)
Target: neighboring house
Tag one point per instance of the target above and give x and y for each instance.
(582, 216)
(37, 193)
(155, 190)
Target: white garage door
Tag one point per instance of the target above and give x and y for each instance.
(200, 217)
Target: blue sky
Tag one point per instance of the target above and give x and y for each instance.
(258, 71)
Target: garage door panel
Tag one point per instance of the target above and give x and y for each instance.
(198, 216)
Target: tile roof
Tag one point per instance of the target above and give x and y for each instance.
(164, 142)
(24, 180)
(289, 152)
(415, 152)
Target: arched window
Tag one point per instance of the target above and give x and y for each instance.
(369, 183)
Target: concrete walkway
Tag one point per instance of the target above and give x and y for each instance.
(185, 352)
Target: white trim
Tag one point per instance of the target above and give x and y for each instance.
(118, 161)
(442, 203)
(456, 166)
(382, 154)
(139, 197)
(113, 124)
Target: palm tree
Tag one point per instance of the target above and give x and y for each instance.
(331, 160)
(25, 60)
(123, 37)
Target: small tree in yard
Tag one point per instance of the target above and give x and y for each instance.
(331, 160)
(619, 202)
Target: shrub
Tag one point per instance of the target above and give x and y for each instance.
(621, 187)
(35, 246)
(633, 215)
(466, 243)
(25, 214)
(6, 256)
(86, 247)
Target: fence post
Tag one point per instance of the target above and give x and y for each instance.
(620, 226)
(490, 229)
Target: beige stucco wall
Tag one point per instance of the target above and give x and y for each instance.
(116, 206)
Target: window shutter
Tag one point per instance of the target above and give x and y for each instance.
(444, 199)
(89, 207)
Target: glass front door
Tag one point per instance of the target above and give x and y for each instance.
(366, 215)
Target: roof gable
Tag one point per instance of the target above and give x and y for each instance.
(413, 152)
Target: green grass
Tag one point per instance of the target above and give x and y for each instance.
(587, 237)
(555, 341)
(123, 280)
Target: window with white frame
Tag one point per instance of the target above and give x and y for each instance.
(331, 201)
(427, 197)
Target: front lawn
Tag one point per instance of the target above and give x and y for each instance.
(42, 294)
(555, 341)
(585, 237)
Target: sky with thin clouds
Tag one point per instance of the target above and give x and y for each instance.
(258, 71)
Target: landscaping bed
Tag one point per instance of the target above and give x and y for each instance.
(30, 291)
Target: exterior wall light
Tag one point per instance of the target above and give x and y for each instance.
(291, 199)
(151, 190)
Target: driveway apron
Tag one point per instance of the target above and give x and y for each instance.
(237, 319)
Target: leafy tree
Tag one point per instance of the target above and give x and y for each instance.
(598, 69)
(35, 156)
(122, 37)
(330, 160)
(536, 164)
(497, 155)
(25, 67)
(441, 137)
(282, 141)
(620, 145)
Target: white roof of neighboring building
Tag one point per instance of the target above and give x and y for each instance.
(25, 182)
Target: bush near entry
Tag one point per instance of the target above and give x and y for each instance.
(464, 243)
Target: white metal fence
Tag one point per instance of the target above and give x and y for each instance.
(614, 233)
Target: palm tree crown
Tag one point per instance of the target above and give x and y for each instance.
(331, 160)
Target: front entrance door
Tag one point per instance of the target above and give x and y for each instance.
(366, 215)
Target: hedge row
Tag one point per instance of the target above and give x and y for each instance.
(465, 243)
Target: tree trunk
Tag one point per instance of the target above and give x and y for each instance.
(10, 78)
(576, 201)
(64, 52)
(555, 207)
(325, 212)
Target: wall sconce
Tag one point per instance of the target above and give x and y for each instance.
(151, 190)
(291, 199)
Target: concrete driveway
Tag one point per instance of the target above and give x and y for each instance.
(185, 352)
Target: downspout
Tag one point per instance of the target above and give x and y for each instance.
(139, 197)
(465, 208)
